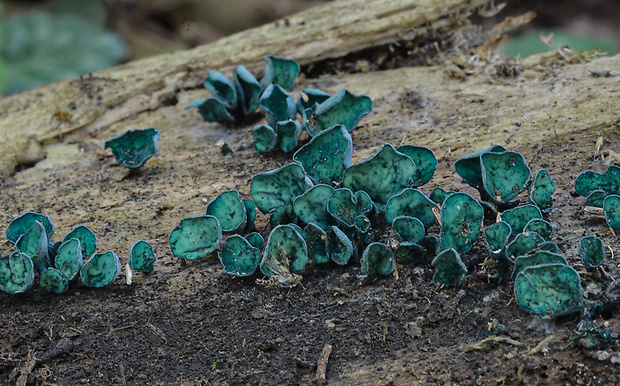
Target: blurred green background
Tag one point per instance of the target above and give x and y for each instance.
(44, 41)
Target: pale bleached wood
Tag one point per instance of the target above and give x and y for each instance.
(30, 119)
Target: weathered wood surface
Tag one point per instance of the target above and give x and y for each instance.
(553, 112)
(31, 119)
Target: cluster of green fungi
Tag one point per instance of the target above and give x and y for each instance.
(323, 208)
(602, 191)
(63, 262)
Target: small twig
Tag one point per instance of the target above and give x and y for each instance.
(321, 367)
(479, 346)
(437, 212)
(157, 331)
(31, 362)
(415, 374)
(542, 346)
(594, 211)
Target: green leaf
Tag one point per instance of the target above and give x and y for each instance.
(44, 48)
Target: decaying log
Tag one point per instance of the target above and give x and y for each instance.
(549, 107)
(32, 118)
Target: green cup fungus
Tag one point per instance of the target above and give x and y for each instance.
(590, 335)
(540, 226)
(496, 238)
(212, 110)
(255, 239)
(281, 130)
(275, 191)
(230, 210)
(134, 147)
(311, 206)
(611, 208)
(222, 88)
(142, 257)
(541, 190)
(282, 215)
(377, 259)
(307, 107)
(286, 251)
(344, 108)
(504, 176)
(16, 273)
(432, 244)
(382, 175)
(461, 221)
(288, 133)
(450, 268)
(280, 71)
(339, 246)
(549, 246)
(195, 237)
(238, 256)
(362, 227)
(314, 97)
(590, 181)
(70, 258)
(524, 244)
(88, 240)
(548, 290)
(265, 138)
(438, 195)
(347, 208)
(470, 167)
(409, 229)
(316, 241)
(424, 160)
(596, 198)
(100, 270)
(296, 227)
(410, 254)
(278, 105)
(23, 223)
(591, 251)
(248, 90)
(326, 156)
(34, 243)
(412, 203)
(53, 281)
(537, 258)
(233, 100)
(250, 210)
(519, 217)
